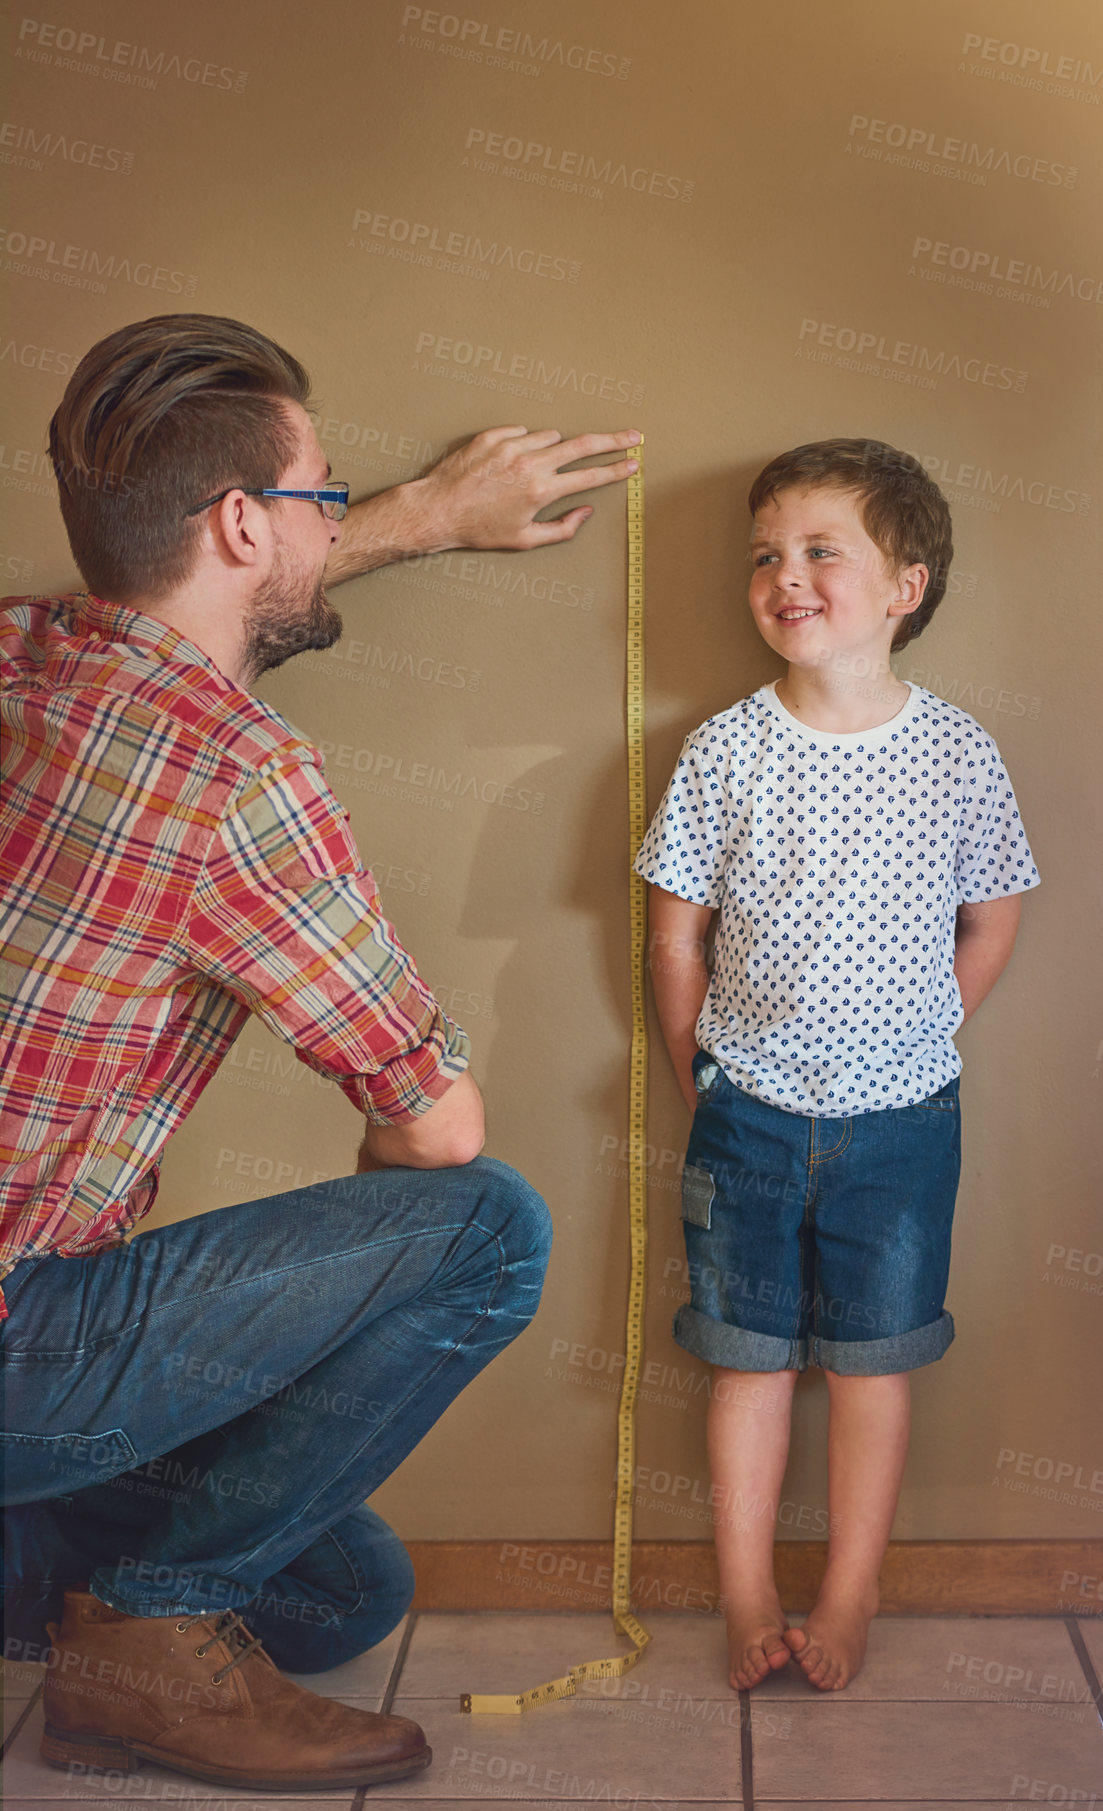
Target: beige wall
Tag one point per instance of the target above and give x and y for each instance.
(715, 300)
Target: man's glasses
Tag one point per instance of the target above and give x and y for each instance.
(333, 501)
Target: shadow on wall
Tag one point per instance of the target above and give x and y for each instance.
(703, 654)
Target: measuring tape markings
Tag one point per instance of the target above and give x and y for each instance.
(512, 1704)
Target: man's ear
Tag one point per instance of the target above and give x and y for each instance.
(241, 529)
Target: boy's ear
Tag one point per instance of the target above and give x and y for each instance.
(911, 584)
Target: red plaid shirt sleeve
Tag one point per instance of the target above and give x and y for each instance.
(285, 918)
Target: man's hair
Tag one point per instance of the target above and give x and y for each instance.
(902, 509)
(157, 417)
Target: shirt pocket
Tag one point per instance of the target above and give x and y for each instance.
(698, 1193)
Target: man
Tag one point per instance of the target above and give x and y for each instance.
(194, 1418)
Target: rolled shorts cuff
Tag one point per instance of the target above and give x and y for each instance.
(738, 1349)
(882, 1357)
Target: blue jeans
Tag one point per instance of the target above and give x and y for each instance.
(817, 1240)
(193, 1420)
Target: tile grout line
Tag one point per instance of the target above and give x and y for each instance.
(18, 1724)
(1076, 1636)
(399, 1662)
(746, 1752)
(389, 1694)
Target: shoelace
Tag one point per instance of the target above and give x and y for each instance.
(230, 1629)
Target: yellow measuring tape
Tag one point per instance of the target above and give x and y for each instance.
(624, 1622)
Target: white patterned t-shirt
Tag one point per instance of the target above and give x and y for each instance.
(837, 862)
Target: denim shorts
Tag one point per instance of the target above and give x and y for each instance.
(817, 1241)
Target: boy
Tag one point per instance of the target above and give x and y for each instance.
(862, 844)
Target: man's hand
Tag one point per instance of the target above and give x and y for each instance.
(484, 495)
(450, 1133)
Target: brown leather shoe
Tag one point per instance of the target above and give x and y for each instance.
(199, 1694)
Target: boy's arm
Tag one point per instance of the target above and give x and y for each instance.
(679, 976)
(983, 941)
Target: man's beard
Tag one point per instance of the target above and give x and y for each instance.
(289, 615)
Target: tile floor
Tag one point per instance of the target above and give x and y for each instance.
(947, 1712)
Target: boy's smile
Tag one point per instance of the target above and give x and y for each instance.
(822, 593)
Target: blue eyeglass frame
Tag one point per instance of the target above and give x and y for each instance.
(336, 496)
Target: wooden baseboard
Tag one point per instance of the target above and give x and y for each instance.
(926, 1578)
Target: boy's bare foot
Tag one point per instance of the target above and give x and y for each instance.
(756, 1642)
(831, 1643)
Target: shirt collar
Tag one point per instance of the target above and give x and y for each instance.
(118, 622)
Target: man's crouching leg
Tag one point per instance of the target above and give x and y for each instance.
(429, 1276)
(349, 1589)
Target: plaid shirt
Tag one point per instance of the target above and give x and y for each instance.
(171, 860)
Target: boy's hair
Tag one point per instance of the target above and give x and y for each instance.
(156, 417)
(902, 509)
